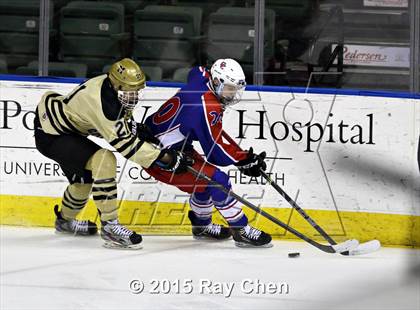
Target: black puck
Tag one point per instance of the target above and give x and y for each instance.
(296, 254)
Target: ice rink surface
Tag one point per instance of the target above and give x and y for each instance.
(42, 270)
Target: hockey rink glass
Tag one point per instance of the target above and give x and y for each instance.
(129, 99)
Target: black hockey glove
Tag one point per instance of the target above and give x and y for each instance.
(252, 164)
(144, 133)
(178, 161)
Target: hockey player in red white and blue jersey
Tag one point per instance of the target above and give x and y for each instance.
(195, 113)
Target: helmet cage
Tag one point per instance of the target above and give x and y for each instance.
(230, 101)
(130, 98)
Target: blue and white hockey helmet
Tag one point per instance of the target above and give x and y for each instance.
(228, 80)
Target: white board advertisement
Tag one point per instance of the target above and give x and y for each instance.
(386, 3)
(376, 56)
(349, 153)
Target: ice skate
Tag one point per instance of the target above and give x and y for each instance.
(73, 226)
(116, 235)
(248, 236)
(211, 231)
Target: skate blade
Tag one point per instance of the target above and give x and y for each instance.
(208, 239)
(114, 245)
(248, 245)
(69, 233)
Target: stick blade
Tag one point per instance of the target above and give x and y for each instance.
(346, 246)
(366, 248)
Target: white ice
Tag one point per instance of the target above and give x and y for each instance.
(42, 270)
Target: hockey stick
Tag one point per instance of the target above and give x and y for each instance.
(337, 248)
(363, 248)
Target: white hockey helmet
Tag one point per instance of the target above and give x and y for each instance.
(227, 80)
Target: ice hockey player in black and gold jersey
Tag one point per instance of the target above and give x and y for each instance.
(101, 106)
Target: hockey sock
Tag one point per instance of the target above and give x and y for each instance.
(103, 165)
(202, 207)
(232, 212)
(228, 207)
(74, 199)
(104, 192)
